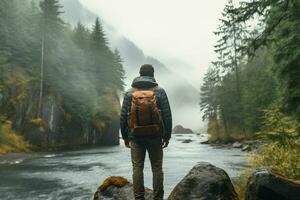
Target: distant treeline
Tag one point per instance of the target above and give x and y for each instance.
(254, 85)
(42, 58)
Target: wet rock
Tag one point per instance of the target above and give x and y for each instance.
(187, 141)
(118, 188)
(15, 158)
(265, 184)
(237, 145)
(206, 182)
(247, 148)
(181, 129)
(205, 142)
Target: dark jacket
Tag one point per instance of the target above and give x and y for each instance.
(162, 103)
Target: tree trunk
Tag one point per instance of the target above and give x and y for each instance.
(41, 78)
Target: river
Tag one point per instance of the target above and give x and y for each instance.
(77, 174)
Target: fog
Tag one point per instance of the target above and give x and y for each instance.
(169, 30)
(177, 33)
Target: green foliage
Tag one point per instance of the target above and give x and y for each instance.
(9, 140)
(232, 35)
(282, 158)
(281, 34)
(280, 150)
(268, 74)
(279, 128)
(209, 100)
(240, 183)
(282, 144)
(221, 91)
(259, 90)
(239, 114)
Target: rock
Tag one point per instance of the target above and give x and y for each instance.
(205, 142)
(181, 129)
(246, 148)
(265, 184)
(118, 188)
(237, 145)
(187, 141)
(206, 182)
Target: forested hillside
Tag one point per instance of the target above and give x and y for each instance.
(58, 85)
(182, 94)
(253, 89)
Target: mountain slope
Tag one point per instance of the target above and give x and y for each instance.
(182, 95)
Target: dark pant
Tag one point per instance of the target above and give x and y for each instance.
(138, 152)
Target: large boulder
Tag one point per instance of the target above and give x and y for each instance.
(180, 129)
(265, 184)
(204, 182)
(118, 188)
(237, 145)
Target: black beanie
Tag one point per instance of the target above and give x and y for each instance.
(147, 70)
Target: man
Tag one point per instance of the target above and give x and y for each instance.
(146, 128)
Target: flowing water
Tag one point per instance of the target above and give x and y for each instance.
(77, 174)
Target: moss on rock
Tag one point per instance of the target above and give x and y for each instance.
(39, 122)
(117, 181)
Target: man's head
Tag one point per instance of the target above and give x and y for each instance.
(147, 70)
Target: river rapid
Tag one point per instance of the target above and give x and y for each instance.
(77, 174)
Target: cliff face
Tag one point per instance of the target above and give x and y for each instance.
(55, 126)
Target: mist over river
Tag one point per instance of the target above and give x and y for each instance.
(77, 174)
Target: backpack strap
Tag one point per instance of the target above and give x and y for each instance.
(150, 110)
(136, 110)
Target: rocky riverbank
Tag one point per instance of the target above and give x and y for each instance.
(246, 145)
(206, 181)
(15, 158)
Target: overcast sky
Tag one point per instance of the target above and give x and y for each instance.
(167, 29)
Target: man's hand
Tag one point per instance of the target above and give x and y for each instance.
(165, 143)
(126, 142)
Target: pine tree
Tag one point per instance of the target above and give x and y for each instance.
(101, 57)
(81, 36)
(230, 49)
(98, 40)
(119, 72)
(209, 101)
(231, 43)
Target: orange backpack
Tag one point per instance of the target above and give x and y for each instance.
(144, 117)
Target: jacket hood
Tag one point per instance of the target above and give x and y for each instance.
(144, 82)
